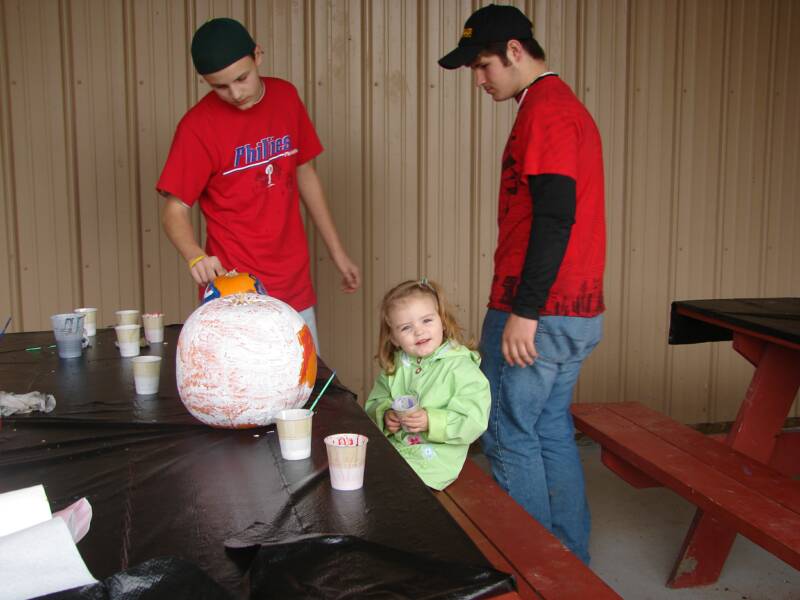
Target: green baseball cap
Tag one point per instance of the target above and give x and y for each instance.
(219, 43)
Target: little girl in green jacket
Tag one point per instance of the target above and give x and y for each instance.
(423, 354)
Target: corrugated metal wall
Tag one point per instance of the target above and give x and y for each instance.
(693, 99)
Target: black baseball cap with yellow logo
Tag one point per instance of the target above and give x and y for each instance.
(492, 23)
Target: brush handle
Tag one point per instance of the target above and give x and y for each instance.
(322, 391)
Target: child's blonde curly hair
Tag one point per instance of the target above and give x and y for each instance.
(452, 331)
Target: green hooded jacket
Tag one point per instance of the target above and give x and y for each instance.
(450, 386)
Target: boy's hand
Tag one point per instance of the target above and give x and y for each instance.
(416, 422)
(391, 421)
(206, 270)
(351, 276)
(518, 341)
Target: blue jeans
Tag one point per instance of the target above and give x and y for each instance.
(530, 442)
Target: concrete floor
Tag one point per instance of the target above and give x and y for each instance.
(636, 535)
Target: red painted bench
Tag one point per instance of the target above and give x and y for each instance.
(515, 543)
(647, 448)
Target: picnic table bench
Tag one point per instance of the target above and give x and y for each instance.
(732, 490)
(516, 543)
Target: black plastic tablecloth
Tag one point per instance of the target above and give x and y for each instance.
(775, 317)
(161, 484)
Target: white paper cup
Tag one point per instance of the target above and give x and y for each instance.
(146, 370)
(128, 340)
(68, 331)
(89, 321)
(153, 327)
(294, 433)
(127, 317)
(347, 455)
(405, 405)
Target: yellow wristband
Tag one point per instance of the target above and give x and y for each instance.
(196, 260)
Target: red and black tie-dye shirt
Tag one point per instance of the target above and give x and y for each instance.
(553, 134)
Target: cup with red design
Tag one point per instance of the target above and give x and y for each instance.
(347, 456)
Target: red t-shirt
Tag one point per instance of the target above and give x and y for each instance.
(241, 166)
(553, 134)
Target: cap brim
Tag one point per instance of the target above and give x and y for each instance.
(461, 56)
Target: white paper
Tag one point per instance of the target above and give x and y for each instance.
(23, 508)
(40, 560)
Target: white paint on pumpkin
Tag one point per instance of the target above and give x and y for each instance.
(239, 361)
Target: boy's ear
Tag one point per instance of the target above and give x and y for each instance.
(259, 52)
(514, 50)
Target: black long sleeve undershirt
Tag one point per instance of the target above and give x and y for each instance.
(553, 198)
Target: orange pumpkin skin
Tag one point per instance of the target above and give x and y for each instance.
(243, 358)
(233, 283)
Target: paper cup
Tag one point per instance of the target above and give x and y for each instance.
(405, 405)
(127, 317)
(294, 433)
(89, 321)
(153, 327)
(128, 340)
(347, 454)
(146, 370)
(68, 331)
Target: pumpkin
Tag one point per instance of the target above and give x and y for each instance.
(233, 282)
(243, 358)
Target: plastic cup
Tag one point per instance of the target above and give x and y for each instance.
(405, 405)
(294, 433)
(347, 455)
(153, 327)
(68, 331)
(90, 320)
(146, 370)
(127, 317)
(128, 340)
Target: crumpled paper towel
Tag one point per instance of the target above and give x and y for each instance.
(25, 403)
(38, 555)
(40, 560)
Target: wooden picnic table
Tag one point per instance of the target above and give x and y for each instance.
(741, 483)
(766, 332)
(163, 484)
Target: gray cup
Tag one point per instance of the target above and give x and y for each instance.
(68, 330)
(405, 405)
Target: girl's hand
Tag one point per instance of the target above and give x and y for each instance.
(391, 421)
(416, 422)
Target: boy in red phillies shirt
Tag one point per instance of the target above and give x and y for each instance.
(546, 302)
(243, 152)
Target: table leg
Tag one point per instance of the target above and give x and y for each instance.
(758, 424)
(767, 402)
(786, 457)
(705, 549)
